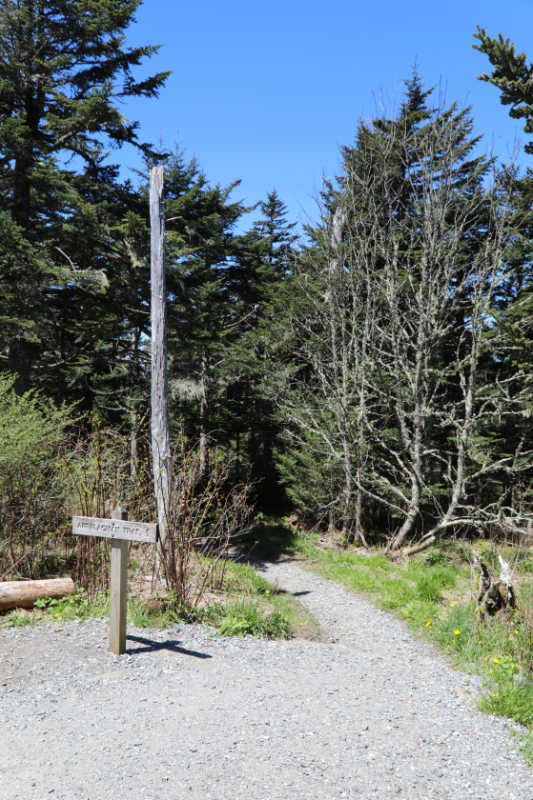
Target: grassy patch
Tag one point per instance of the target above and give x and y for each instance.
(435, 595)
(250, 618)
(527, 747)
(247, 604)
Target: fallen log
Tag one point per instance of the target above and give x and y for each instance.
(23, 594)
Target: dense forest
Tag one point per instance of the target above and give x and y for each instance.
(373, 376)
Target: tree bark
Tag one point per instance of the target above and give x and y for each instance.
(159, 383)
(203, 418)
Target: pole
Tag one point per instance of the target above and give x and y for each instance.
(160, 435)
(118, 610)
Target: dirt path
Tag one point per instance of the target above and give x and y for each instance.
(184, 714)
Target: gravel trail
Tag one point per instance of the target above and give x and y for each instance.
(369, 713)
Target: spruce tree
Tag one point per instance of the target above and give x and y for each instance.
(260, 265)
(200, 233)
(512, 75)
(63, 70)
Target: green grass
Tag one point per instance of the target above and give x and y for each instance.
(250, 618)
(435, 595)
(79, 606)
(248, 604)
(17, 620)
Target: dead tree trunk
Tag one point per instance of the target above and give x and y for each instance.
(203, 418)
(160, 434)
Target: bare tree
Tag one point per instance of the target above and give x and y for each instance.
(404, 383)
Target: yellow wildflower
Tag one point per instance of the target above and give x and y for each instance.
(456, 632)
(495, 660)
(453, 603)
(428, 623)
(494, 694)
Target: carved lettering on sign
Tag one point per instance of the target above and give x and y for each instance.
(115, 529)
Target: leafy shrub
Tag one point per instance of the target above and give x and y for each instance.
(33, 492)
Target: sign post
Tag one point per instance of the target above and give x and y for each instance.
(120, 531)
(118, 606)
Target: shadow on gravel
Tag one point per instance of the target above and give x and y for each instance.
(151, 647)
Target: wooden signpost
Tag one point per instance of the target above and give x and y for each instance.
(120, 531)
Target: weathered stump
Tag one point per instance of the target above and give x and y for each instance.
(495, 594)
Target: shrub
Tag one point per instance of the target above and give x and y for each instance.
(204, 514)
(32, 487)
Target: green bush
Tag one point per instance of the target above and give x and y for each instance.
(32, 483)
(31, 428)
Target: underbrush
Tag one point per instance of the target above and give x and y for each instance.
(243, 604)
(436, 596)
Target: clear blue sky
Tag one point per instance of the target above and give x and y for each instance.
(268, 92)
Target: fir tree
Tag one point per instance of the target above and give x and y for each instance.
(261, 263)
(63, 70)
(512, 75)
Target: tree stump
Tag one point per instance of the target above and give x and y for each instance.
(495, 594)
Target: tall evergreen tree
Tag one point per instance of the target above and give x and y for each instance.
(200, 236)
(512, 75)
(63, 69)
(260, 265)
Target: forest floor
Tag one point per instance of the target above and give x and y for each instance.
(368, 712)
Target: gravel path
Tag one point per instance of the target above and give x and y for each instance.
(371, 713)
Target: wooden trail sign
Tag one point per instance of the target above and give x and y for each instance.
(120, 531)
(115, 529)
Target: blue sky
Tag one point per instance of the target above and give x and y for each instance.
(268, 92)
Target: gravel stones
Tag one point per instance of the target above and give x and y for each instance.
(186, 714)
